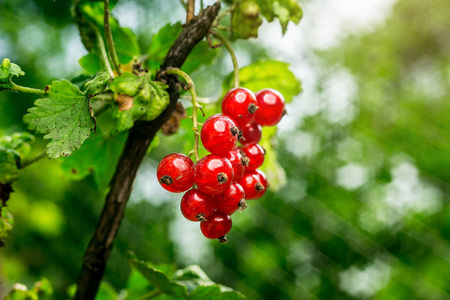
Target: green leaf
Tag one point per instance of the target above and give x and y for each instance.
(91, 63)
(159, 279)
(98, 84)
(268, 74)
(126, 44)
(8, 69)
(21, 292)
(284, 10)
(162, 41)
(99, 155)
(9, 172)
(106, 292)
(201, 55)
(19, 142)
(43, 289)
(245, 19)
(6, 223)
(274, 171)
(214, 292)
(64, 117)
(149, 100)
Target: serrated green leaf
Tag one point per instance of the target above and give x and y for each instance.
(91, 63)
(98, 84)
(201, 55)
(245, 19)
(64, 117)
(159, 279)
(162, 41)
(99, 155)
(8, 69)
(268, 74)
(9, 172)
(284, 10)
(159, 99)
(149, 100)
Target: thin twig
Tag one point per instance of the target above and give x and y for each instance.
(101, 44)
(24, 89)
(184, 4)
(31, 161)
(109, 39)
(190, 10)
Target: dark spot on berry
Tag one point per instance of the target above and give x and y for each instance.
(259, 187)
(201, 217)
(252, 108)
(166, 179)
(242, 205)
(234, 130)
(223, 240)
(222, 178)
(245, 160)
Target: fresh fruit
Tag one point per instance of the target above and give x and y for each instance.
(217, 226)
(238, 162)
(196, 205)
(255, 154)
(176, 173)
(251, 133)
(219, 134)
(270, 107)
(240, 104)
(254, 183)
(231, 200)
(213, 174)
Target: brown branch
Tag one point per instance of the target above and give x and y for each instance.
(139, 138)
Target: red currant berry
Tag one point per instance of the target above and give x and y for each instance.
(217, 226)
(254, 183)
(213, 174)
(240, 104)
(251, 133)
(255, 154)
(176, 173)
(231, 200)
(219, 134)
(237, 161)
(270, 107)
(196, 205)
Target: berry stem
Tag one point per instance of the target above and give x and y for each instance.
(230, 50)
(195, 106)
(109, 38)
(24, 89)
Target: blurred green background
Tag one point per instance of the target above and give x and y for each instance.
(363, 211)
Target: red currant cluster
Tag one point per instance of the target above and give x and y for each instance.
(230, 174)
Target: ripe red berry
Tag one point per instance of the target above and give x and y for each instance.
(219, 134)
(270, 107)
(255, 154)
(237, 161)
(176, 173)
(251, 133)
(231, 200)
(213, 174)
(240, 104)
(196, 205)
(254, 183)
(217, 226)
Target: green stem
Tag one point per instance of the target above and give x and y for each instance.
(195, 106)
(24, 89)
(228, 46)
(30, 161)
(103, 51)
(109, 38)
(184, 4)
